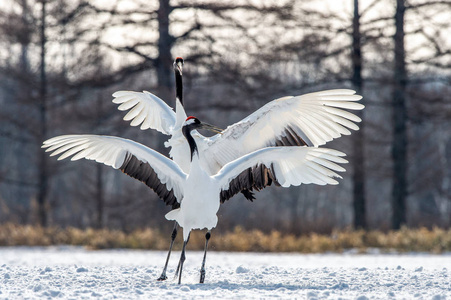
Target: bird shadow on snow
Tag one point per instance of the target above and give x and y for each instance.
(237, 286)
(224, 285)
(265, 279)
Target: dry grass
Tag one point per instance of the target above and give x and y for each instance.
(434, 240)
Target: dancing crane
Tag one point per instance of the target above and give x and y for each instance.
(199, 193)
(149, 111)
(311, 119)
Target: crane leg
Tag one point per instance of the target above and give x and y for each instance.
(182, 260)
(173, 235)
(202, 269)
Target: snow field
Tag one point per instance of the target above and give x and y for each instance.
(76, 273)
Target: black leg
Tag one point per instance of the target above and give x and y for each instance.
(173, 235)
(181, 261)
(202, 269)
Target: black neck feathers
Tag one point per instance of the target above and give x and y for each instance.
(192, 144)
(178, 85)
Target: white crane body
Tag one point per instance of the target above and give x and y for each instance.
(201, 196)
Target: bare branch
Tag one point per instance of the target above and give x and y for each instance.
(428, 3)
(369, 7)
(130, 49)
(119, 76)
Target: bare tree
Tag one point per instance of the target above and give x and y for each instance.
(165, 42)
(39, 91)
(358, 137)
(399, 147)
(43, 170)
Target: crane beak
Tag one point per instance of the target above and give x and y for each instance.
(211, 128)
(178, 66)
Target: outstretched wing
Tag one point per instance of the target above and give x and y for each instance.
(285, 166)
(311, 119)
(134, 159)
(146, 110)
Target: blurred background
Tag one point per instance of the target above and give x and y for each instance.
(61, 60)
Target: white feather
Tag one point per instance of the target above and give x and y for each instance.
(292, 165)
(316, 117)
(319, 117)
(146, 109)
(112, 151)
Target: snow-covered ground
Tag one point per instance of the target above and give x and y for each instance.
(76, 273)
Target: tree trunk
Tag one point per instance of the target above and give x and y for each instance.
(99, 197)
(399, 147)
(24, 63)
(43, 173)
(165, 41)
(294, 213)
(99, 194)
(358, 137)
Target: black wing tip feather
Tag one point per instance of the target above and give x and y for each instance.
(142, 171)
(291, 138)
(257, 177)
(248, 194)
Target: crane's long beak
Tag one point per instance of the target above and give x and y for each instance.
(178, 66)
(211, 128)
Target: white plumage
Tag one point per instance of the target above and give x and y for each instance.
(198, 192)
(291, 165)
(147, 110)
(314, 118)
(113, 151)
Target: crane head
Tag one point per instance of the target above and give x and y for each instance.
(178, 64)
(193, 123)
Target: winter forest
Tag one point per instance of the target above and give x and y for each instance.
(61, 61)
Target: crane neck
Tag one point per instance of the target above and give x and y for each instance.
(191, 142)
(179, 109)
(180, 114)
(178, 85)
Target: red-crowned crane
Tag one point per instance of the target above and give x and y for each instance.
(307, 120)
(311, 119)
(198, 192)
(149, 111)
